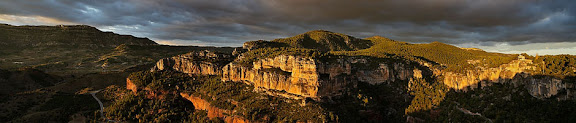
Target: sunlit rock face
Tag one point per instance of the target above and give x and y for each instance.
(307, 77)
(503, 73)
(202, 63)
(518, 72)
(299, 77)
(131, 86)
(213, 111)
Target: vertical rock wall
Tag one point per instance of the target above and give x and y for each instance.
(313, 78)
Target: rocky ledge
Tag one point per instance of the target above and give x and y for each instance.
(201, 62)
(518, 72)
(315, 78)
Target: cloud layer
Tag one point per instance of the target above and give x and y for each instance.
(231, 22)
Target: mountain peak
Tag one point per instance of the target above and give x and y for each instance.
(325, 41)
(318, 31)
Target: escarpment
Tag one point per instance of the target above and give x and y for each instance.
(297, 76)
(546, 87)
(315, 78)
(288, 80)
(503, 73)
(518, 72)
(201, 62)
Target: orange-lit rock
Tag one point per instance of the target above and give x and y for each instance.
(200, 62)
(201, 104)
(313, 78)
(499, 74)
(131, 86)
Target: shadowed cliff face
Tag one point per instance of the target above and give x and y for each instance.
(546, 86)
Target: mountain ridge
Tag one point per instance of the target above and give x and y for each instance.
(65, 35)
(317, 76)
(325, 41)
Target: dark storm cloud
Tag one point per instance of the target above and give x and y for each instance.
(231, 22)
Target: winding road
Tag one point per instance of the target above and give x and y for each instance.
(93, 93)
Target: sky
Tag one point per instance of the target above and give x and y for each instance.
(507, 26)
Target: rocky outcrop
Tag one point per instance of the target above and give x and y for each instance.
(286, 73)
(545, 86)
(198, 102)
(503, 73)
(149, 93)
(202, 63)
(201, 104)
(516, 72)
(131, 86)
(307, 77)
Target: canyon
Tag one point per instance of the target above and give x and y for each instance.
(299, 77)
(318, 76)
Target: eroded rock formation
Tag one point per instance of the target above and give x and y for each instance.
(201, 104)
(131, 86)
(517, 72)
(198, 102)
(202, 63)
(314, 78)
(503, 73)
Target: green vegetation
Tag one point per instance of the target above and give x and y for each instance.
(440, 55)
(256, 106)
(261, 53)
(263, 44)
(452, 58)
(46, 105)
(426, 95)
(370, 103)
(224, 95)
(80, 49)
(84, 49)
(506, 103)
(560, 66)
(76, 35)
(166, 80)
(325, 41)
(135, 108)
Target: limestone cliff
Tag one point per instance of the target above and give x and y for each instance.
(546, 86)
(519, 72)
(201, 104)
(307, 77)
(499, 74)
(201, 62)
